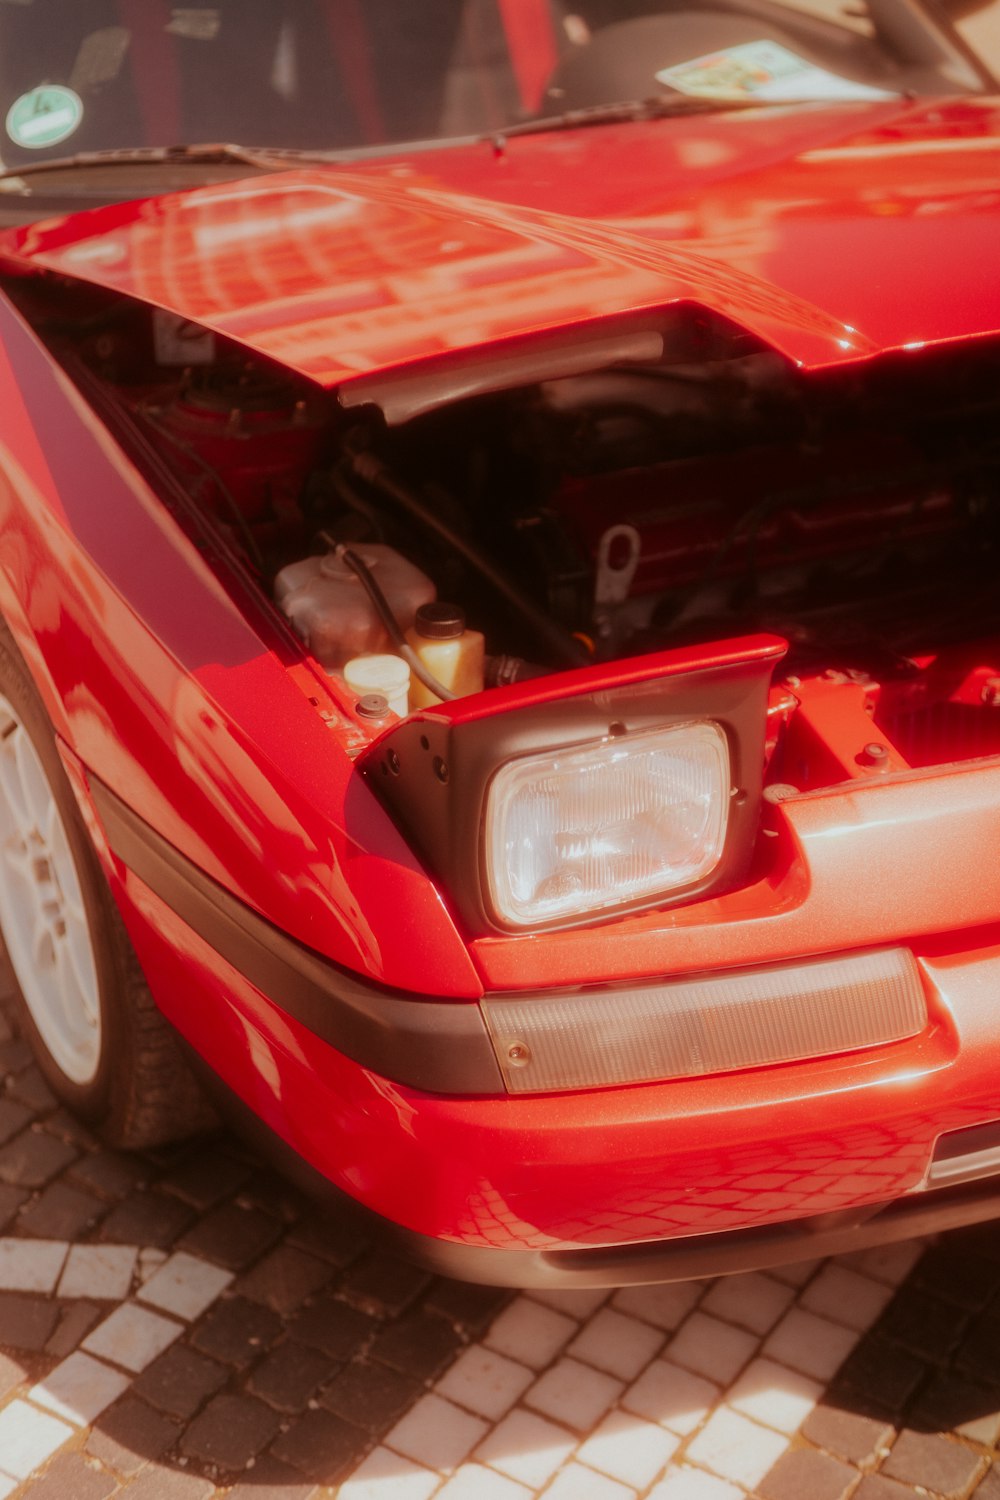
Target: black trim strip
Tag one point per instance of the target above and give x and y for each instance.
(435, 1045)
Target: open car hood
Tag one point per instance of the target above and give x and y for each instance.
(832, 234)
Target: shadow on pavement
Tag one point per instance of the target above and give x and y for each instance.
(271, 1348)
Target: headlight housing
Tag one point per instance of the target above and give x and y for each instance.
(587, 794)
(607, 825)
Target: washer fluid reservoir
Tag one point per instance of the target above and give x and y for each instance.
(330, 607)
(451, 652)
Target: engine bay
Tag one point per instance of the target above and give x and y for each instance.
(605, 513)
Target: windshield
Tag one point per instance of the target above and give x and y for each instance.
(92, 75)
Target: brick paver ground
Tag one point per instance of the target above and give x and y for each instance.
(183, 1325)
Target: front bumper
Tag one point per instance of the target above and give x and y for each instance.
(698, 1256)
(643, 1183)
(646, 1262)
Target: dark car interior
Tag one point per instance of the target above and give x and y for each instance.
(343, 74)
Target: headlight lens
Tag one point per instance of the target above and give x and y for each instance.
(610, 824)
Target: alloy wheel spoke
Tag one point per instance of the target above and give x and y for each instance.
(74, 989)
(17, 857)
(11, 789)
(42, 908)
(36, 796)
(64, 873)
(43, 943)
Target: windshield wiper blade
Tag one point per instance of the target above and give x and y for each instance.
(208, 153)
(656, 107)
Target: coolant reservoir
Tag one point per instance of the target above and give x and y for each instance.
(453, 654)
(330, 607)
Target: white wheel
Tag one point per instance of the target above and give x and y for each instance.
(41, 908)
(104, 1048)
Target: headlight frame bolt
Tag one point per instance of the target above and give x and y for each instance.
(875, 755)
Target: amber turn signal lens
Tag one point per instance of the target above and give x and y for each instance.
(714, 1024)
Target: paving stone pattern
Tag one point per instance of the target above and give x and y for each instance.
(182, 1325)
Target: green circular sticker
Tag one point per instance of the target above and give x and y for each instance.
(44, 116)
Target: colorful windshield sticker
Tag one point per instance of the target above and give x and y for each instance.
(766, 71)
(44, 116)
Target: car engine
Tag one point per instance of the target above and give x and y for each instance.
(710, 493)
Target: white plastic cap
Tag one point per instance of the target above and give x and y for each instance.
(388, 675)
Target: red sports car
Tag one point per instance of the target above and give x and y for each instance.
(501, 654)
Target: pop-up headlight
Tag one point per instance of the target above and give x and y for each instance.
(588, 794)
(605, 825)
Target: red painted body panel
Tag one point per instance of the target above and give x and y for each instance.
(746, 1149)
(173, 699)
(853, 873)
(339, 270)
(202, 717)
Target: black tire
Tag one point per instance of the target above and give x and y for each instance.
(128, 1079)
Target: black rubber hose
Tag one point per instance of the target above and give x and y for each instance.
(366, 577)
(504, 671)
(567, 651)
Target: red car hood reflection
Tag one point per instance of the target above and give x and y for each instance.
(832, 234)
